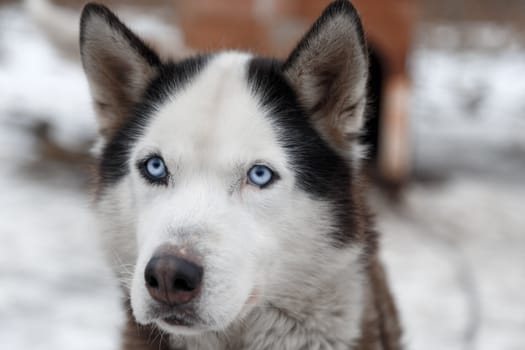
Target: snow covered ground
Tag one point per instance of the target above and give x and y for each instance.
(469, 112)
(454, 247)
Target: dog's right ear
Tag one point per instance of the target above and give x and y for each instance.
(119, 66)
(329, 71)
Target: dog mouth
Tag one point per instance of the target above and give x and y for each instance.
(179, 320)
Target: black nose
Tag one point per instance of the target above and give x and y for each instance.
(173, 280)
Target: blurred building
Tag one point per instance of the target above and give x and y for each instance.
(507, 11)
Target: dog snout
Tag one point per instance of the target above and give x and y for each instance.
(173, 279)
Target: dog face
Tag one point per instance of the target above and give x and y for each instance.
(226, 180)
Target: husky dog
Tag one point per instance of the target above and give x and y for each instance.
(229, 191)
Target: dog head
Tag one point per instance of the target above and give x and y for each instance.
(226, 181)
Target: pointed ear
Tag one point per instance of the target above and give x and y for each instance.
(329, 72)
(118, 65)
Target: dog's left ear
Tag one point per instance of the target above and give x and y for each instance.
(118, 64)
(329, 72)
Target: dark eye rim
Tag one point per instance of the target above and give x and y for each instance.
(275, 176)
(142, 166)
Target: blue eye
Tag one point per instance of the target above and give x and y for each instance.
(260, 175)
(155, 168)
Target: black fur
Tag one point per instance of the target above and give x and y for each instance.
(172, 77)
(320, 171)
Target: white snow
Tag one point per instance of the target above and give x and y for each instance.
(469, 111)
(38, 84)
(456, 255)
(55, 290)
(454, 249)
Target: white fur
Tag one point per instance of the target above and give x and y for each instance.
(269, 265)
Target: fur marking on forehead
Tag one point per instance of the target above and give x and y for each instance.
(215, 120)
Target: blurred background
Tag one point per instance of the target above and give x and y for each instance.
(446, 131)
